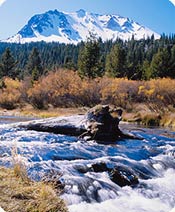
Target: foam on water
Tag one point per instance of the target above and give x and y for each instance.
(132, 203)
(158, 197)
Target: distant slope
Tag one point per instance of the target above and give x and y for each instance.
(74, 27)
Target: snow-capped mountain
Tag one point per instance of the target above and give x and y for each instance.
(74, 27)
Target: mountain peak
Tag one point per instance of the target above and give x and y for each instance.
(81, 13)
(75, 27)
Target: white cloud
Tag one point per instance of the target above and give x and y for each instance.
(2, 1)
(172, 1)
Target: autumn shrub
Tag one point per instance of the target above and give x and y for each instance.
(10, 93)
(57, 88)
(63, 88)
(118, 91)
(25, 86)
(90, 94)
(38, 95)
(159, 93)
(164, 90)
(168, 120)
(151, 119)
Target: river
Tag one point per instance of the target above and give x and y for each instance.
(151, 160)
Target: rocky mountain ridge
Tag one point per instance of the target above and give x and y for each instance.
(62, 27)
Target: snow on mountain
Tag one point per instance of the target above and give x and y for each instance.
(74, 27)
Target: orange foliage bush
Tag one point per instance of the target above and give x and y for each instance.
(159, 92)
(164, 90)
(118, 91)
(10, 93)
(64, 88)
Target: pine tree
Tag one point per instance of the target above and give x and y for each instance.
(34, 67)
(160, 63)
(1, 71)
(172, 63)
(8, 65)
(69, 64)
(88, 59)
(146, 74)
(115, 62)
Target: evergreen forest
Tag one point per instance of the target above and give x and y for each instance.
(137, 60)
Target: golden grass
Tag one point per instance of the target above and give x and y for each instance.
(151, 119)
(19, 195)
(168, 120)
(28, 111)
(51, 112)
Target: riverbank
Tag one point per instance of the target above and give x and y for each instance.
(19, 194)
(29, 111)
(149, 116)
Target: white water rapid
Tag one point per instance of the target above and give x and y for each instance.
(91, 189)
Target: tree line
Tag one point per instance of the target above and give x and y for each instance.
(139, 60)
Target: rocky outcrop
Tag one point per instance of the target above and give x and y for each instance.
(100, 123)
(57, 129)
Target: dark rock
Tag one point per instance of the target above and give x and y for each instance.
(101, 123)
(57, 129)
(82, 169)
(100, 167)
(123, 177)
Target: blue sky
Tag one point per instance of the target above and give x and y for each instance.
(158, 15)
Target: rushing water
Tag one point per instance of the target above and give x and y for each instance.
(151, 160)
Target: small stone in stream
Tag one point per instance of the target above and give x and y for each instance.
(82, 169)
(123, 178)
(100, 167)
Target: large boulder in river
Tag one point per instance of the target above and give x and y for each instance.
(102, 123)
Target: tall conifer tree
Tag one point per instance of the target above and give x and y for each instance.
(115, 62)
(34, 67)
(88, 60)
(8, 64)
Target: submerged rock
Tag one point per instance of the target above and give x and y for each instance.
(100, 167)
